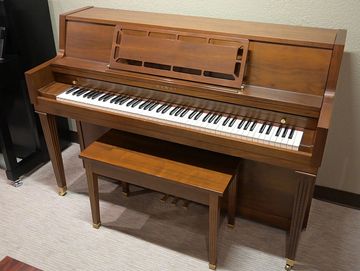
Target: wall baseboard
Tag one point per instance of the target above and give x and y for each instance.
(336, 196)
(323, 193)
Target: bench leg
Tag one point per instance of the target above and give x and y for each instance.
(214, 213)
(232, 190)
(93, 186)
(125, 188)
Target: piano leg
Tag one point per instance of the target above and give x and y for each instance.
(49, 127)
(214, 213)
(301, 202)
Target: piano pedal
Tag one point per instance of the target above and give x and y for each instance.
(186, 204)
(174, 201)
(164, 198)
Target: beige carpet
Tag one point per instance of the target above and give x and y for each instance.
(141, 233)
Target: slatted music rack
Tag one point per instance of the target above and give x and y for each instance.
(206, 58)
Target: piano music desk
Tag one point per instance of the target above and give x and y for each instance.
(197, 175)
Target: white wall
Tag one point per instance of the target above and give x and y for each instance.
(341, 167)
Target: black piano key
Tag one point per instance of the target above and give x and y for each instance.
(226, 121)
(232, 122)
(160, 108)
(131, 102)
(76, 91)
(179, 111)
(96, 95)
(241, 123)
(198, 115)
(253, 126)
(247, 124)
(292, 133)
(117, 101)
(172, 112)
(103, 96)
(193, 114)
(278, 131)
(166, 109)
(83, 91)
(71, 90)
(80, 90)
(144, 104)
(184, 113)
(124, 100)
(88, 94)
(262, 128)
(212, 118)
(115, 98)
(146, 107)
(268, 131)
(218, 119)
(107, 97)
(207, 116)
(136, 103)
(285, 132)
(153, 106)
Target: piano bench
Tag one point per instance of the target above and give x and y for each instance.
(185, 172)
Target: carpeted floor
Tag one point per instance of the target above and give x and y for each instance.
(141, 233)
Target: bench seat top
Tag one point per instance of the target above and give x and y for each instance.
(178, 163)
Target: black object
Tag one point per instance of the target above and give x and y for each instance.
(26, 40)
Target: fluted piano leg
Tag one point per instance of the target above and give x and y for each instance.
(48, 124)
(302, 197)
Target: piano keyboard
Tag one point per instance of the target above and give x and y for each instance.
(214, 122)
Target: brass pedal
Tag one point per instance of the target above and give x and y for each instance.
(164, 198)
(186, 204)
(174, 201)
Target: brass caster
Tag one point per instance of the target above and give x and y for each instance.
(96, 226)
(164, 198)
(125, 194)
(212, 266)
(231, 226)
(289, 264)
(186, 204)
(174, 201)
(62, 191)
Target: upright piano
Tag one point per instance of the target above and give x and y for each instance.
(259, 92)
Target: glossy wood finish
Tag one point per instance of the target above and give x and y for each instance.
(302, 196)
(48, 123)
(10, 264)
(170, 161)
(193, 174)
(291, 73)
(303, 36)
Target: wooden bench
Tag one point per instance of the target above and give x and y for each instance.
(185, 172)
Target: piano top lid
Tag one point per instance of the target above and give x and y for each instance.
(296, 35)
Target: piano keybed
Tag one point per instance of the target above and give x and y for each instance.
(245, 128)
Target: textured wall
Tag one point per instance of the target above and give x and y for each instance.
(340, 167)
